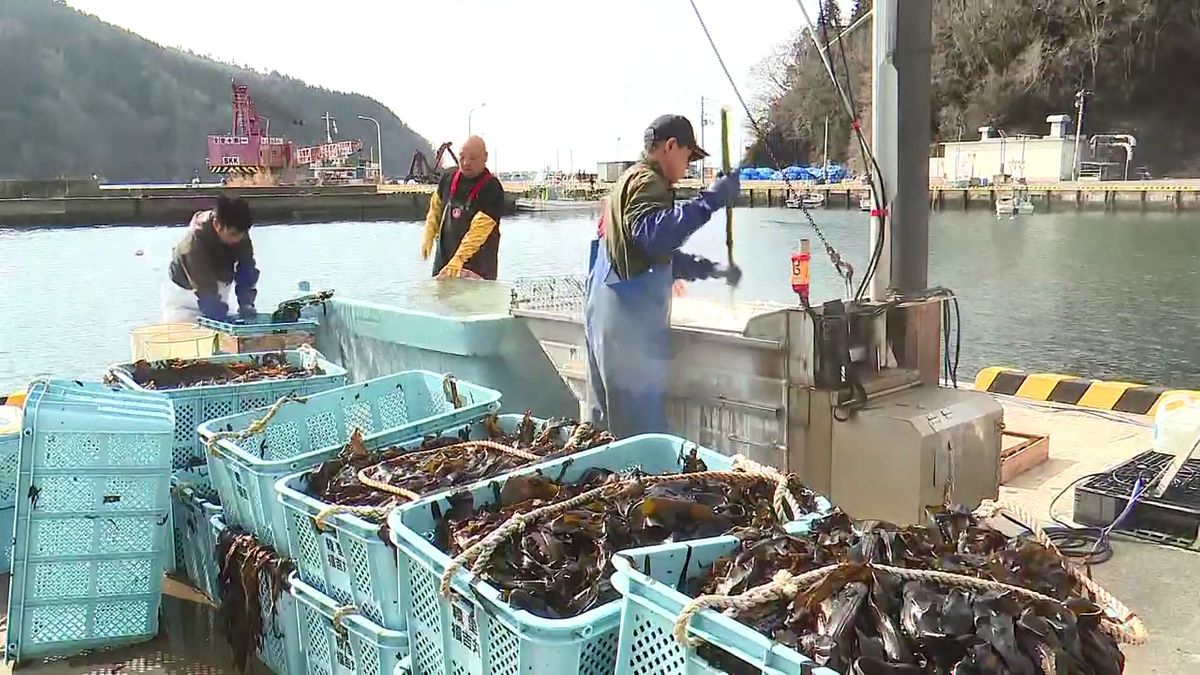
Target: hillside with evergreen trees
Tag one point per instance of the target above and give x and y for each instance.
(79, 97)
(1008, 63)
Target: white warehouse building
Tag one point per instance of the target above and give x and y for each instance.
(1033, 158)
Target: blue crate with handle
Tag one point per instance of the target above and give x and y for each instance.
(344, 556)
(649, 579)
(475, 632)
(91, 520)
(248, 455)
(192, 511)
(10, 450)
(339, 641)
(282, 649)
(196, 405)
(258, 325)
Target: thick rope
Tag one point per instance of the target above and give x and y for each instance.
(254, 428)
(1120, 622)
(781, 585)
(382, 486)
(478, 554)
(1124, 625)
(330, 510)
(783, 491)
(340, 614)
(784, 585)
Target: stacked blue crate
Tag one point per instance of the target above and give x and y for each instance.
(10, 447)
(90, 543)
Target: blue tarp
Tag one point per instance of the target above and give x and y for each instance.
(815, 172)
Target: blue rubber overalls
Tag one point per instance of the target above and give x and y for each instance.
(627, 321)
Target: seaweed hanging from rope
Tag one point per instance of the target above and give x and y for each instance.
(359, 477)
(863, 620)
(560, 566)
(248, 569)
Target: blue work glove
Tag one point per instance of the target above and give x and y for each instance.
(724, 191)
(692, 267)
(213, 307)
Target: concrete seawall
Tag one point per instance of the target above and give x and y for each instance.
(84, 203)
(165, 205)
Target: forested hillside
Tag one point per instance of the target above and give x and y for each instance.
(1010, 63)
(79, 97)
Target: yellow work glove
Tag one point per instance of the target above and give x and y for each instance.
(451, 270)
(427, 245)
(433, 221)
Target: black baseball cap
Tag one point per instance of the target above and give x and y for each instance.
(679, 128)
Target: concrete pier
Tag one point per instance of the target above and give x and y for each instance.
(85, 203)
(58, 204)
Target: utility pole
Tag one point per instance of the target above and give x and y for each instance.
(825, 168)
(1080, 97)
(378, 142)
(900, 109)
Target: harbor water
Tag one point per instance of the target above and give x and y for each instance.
(1098, 295)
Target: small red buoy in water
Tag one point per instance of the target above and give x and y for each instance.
(139, 253)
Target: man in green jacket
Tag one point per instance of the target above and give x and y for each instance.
(635, 261)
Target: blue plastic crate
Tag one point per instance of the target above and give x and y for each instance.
(350, 561)
(192, 509)
(196, 405)
(260, 325)
(387, 410)
(10, 450)
(648, 577)
(341, 643)
(7, 522)
(281, 649)
(476, 632)
(90, 533)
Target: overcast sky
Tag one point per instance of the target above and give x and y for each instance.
(562, 79)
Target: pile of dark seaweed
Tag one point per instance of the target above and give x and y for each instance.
(867, 621)
(561, 566)
(443, 462)
(246, 567)
(180, 373)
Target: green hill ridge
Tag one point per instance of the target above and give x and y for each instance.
(83, 97)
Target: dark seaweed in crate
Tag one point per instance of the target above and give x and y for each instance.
(1173, 518)
(180, 373)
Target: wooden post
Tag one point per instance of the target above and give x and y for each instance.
(1078, 199)
(966, 199)
(1178, 200)
(1143, 202)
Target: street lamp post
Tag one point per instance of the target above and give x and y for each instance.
(378, 143)
(472, 112)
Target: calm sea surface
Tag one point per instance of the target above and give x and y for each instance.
(1100, 295)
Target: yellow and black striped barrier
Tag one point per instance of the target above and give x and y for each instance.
(1127, 397)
